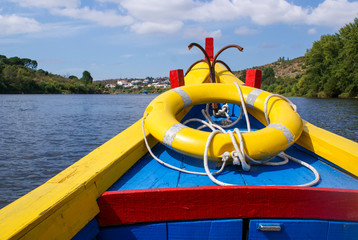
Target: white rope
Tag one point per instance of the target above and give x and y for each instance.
(201, 121)
(220, 183)
(171, 166)
(207, 117)
(283, 155)
(294, 107)
(310, 167)
(239, 152)
(224, 111)
(243, 106)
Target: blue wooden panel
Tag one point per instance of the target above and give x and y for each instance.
(231, 173)
(155, 231)
(293, 173)
(332, 176)
(208, 230)
(148, 173)
(342, 231)
(290, 229)
(90, 231)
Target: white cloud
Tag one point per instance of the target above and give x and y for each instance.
(13, 24)
(199, 33)
(330, 13)
(157, 10)
(259, 11)
(154, 27)
(333, 13)
(158, 16)
(48, 3)
(245, 31)
(274, 11)
(216, 10)
(312, 31)
(105, 18)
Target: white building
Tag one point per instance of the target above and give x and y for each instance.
(110, 85)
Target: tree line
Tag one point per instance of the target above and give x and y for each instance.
(331, 68)
(20, 75)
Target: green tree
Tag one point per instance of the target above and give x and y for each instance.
(26, 62)
(333, 63)
(3, 60)
(14, 61)
(86, 77)
(268, 76)
(73, 77)
(347, 71)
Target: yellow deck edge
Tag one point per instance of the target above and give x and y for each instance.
(336, 149)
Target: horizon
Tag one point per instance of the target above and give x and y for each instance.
(116, 39)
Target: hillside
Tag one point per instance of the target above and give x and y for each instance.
(281, 76)
(20, 75)
(287, 68)
(282, 68)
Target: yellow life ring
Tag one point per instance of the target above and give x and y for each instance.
(284, 129)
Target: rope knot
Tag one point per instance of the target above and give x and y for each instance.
(235, 158)
(225, 156)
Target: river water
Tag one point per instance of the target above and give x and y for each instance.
(40, 135)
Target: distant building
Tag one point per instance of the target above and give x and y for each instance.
(110, 85)
(121, 82)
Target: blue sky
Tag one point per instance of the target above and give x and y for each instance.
(140, 38)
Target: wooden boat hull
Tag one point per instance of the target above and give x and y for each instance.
(66, 206)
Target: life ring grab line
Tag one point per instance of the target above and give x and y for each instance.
(260, 144)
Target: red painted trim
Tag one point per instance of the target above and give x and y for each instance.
(176, 78)
(134, 206)
(253, 78)
(209, 47)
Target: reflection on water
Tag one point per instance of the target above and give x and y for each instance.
(40, 135)
(43, 134)
(339, 116)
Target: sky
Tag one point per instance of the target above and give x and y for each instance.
(148, 38)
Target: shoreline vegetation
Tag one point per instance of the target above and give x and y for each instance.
(328, 70)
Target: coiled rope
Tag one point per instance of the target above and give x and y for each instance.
(238, 155)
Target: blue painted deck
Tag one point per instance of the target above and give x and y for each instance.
(148, 173)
